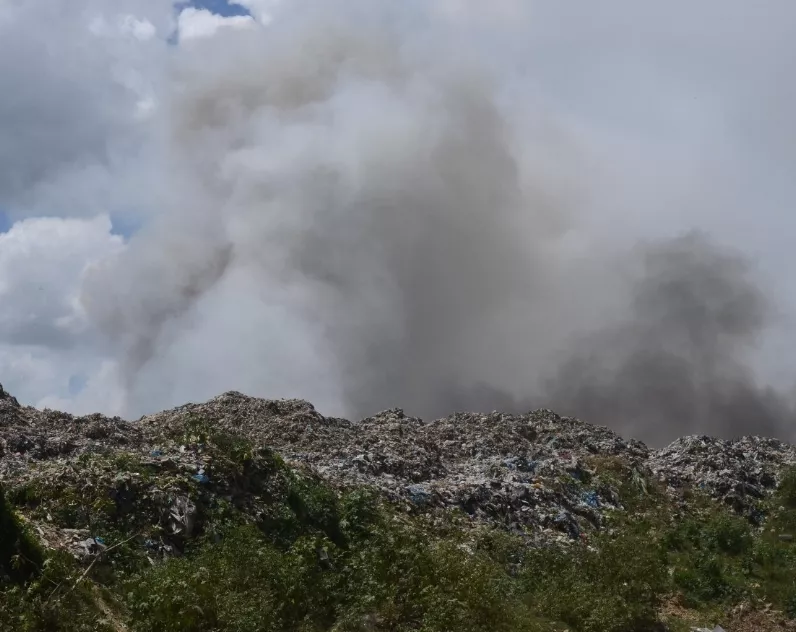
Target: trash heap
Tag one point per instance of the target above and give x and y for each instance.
(29, 436)
(529, 473)
(737, 472)
(536, 474)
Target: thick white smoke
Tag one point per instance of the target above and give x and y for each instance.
(371, 204)
(356, 218)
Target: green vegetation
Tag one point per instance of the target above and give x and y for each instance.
(36, 588)
(273, 549)
(20, 557)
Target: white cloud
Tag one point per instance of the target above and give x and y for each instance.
(44, 335)
(124, 25)
(42, 263)
(40, 376)
(140, 29)
(102, 389)
(196, 23)
(71, 125)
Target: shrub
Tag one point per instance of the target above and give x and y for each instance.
(393, 575)
(728, 534)
(213, 590)
(786, 490)
(20, 557)
(703, 579)
(615, 588)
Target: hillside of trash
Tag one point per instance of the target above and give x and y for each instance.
(249, 514)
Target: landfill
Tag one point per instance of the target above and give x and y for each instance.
(533, 474)
(737, 472)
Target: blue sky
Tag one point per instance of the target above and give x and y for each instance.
(218, 7)
(221, 7)
(124, 225)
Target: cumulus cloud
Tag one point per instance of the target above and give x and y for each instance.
(45, 337)
(126, 25)
(433, 205)
(71, 140)
(194, 23)
(42, 265)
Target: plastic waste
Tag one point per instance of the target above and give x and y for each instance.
(418, 494)
(592, 499)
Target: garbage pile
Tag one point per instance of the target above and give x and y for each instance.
(28, 436)
(521, 471)
(534, 474)
(737, 472)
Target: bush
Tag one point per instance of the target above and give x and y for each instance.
(712, 552)
(34, 588)
(615, 588)
(399, 579)
(213, 590)
(728, 534)
(703, 579)
(786, 490)
(20, 557)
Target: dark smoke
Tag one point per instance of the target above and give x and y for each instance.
(680, 362)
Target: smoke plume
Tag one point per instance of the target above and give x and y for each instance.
(680, 361)
(362, 214)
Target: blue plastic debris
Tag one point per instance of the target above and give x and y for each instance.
(511, 463)
(201, 478)
(99, 541)
(418, 494)
(156, 453)
(592, 499)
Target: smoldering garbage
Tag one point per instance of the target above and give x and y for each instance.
(533, 474)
